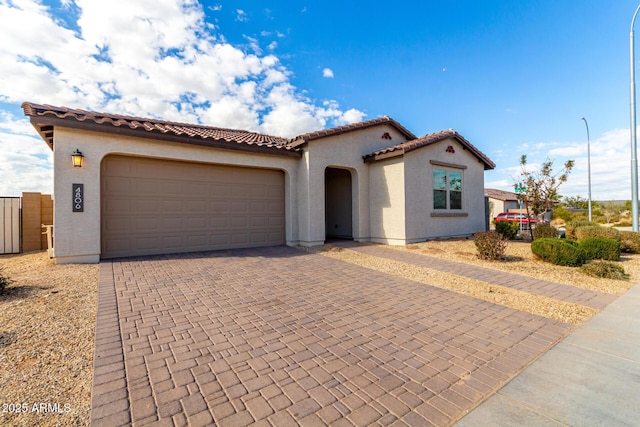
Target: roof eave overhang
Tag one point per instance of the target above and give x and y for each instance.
(384, 156)
(487, 163)
(45, 127)
(306, 138)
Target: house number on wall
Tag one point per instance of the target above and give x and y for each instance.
(78, 198)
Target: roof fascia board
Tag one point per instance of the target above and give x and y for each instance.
(388, 155)
(466, 145)
(73, 123)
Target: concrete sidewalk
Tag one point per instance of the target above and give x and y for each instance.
(591, 378)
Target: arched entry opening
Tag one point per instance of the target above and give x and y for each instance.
(338, 203)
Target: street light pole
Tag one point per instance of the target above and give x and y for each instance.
(588, 166)
(634, 157)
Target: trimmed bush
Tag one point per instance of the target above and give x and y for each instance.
(544, 230)
(600, 248)
(630, 242)
(605, 269)
(509, 229)
(558, 251)
(562, 213)
(571, 227)
(597, 231)
(490, 244)
(4, 282)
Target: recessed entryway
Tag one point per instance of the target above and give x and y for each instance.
(338, 203)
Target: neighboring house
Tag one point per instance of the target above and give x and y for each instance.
(152, 187)
(500, 201)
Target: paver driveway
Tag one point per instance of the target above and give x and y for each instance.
(279, 336)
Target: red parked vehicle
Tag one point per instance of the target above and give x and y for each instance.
(515, 217)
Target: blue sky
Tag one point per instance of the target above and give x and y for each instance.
(513, 77)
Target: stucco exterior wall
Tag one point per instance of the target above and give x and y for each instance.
(77, 234)
(423, 221)
(387, 201)
(340, 151)
(392, 199)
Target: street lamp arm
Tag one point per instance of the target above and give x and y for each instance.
(634, 18)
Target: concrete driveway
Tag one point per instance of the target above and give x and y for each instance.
(278, 336)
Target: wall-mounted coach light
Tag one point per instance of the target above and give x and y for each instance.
(76, 158)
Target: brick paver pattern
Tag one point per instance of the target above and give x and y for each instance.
(545, 288)
(283, 337)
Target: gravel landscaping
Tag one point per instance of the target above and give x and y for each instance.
(47, 321)
(520, 260)
(47, 318)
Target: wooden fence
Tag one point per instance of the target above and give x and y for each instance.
(9, 225)
(21, 221)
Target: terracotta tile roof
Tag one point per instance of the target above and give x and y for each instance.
(500, 194)
(406, 147)
(43, 117)
(304, 138)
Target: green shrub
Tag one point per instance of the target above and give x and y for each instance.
(4, 282)
(630, 242)
(562, 213)
(600, 248)
(570, 228)
(490, 244)
(509, 229)
(605, 269)
(585, 232)
(558, 251)
(544, 230)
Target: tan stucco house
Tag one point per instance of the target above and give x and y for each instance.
(149, 186)
(500, 201)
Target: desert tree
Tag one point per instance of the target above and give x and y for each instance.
(541, 186)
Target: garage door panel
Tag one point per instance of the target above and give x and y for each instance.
(215, 190)
(197, 223)
(197, 206)
(257, 206)
(239, 221)
(240, 239)
(144, 186)
(238, 206)
(116, 206)
(276, 221)
(119, 184)
(220, 240)
(258, 221)
(273, 207)
(258, 237)
(115, 225)
(218, 206)
(154, 206)
(274, 192)
(197, 240)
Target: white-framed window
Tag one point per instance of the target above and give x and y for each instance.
(447, 188)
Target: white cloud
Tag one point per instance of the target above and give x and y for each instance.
(327, 73)
(25, 160)
(610, 166)
(241, 15)
(160, 59)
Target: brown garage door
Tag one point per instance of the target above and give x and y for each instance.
(152, 206)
